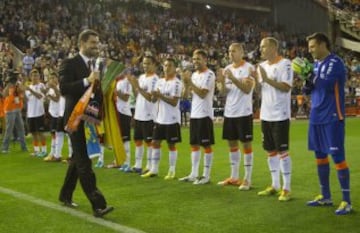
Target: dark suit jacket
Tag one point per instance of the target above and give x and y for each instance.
(71, 74)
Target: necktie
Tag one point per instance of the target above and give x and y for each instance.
(91, 64)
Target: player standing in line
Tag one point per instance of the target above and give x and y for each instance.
(201, 85)
(123, 91)
(238, 85)
(53, 94)
(144, 112)
(167, 124)
(275, 77)
(36, 112)
(326, 84)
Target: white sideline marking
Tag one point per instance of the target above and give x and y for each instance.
(67, 210)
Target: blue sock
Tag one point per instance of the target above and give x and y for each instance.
(324, 173)
(344, 180)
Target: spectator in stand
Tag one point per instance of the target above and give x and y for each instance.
(28, 62)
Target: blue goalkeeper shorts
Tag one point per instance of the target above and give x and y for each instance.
(327, 138)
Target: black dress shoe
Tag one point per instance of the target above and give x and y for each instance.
(101, 212)
(70, 204)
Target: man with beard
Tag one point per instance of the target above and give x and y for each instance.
(76, 75)
(201, 85)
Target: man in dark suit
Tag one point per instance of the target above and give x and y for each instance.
(75, 77)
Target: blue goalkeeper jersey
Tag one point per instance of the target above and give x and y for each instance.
(328, 94)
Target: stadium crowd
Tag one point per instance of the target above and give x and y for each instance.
(47, 31)
(143, 36)
(46, 34)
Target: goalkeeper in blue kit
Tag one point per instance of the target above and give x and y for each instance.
(325, 83)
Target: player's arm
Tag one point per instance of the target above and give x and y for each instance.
(220, 79)
(34, 93)
(122, 96)
(282, 86)
(204, 89)
(245, 84)
(56, 96)
(138, 90)
(201, 92)
(172, 100)
(186, 77)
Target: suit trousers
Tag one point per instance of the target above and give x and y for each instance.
(80, 167)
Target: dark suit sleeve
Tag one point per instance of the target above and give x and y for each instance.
(71, 80)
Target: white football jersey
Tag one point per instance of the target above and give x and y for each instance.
(53, 108)
(238, 103)
(276, 104)
(61, 106)
(201, 108)
(35, 106)
(145, 110)
(168, 114)
(123, 85)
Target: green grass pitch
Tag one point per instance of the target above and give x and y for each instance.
(158, 206)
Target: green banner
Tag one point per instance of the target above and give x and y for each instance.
(113, 69)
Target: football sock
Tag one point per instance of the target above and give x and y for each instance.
(285, 167)
(248, 165)
(149, 158)
(195, 162)
(323, 169)
(155, 160)
(53, 143)
(343, 174)
(274, 167)
(208, 157)
(235, 158)
(127, 152)
(59, 138)
(139, 151)
(172, 159)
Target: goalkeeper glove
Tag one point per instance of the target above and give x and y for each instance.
(302, 67)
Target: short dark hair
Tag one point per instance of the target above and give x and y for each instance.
(201, 52)
(152, 58)
(84, 35)
(172, 60)
(320, 37)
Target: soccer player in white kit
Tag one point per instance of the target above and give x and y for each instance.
(144, 112)
(123, 92)
(237, 83)
(275, 77)
(53, 94)
(167, 122)
(36, 113)
(201, 85)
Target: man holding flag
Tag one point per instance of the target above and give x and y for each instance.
(75, 78)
